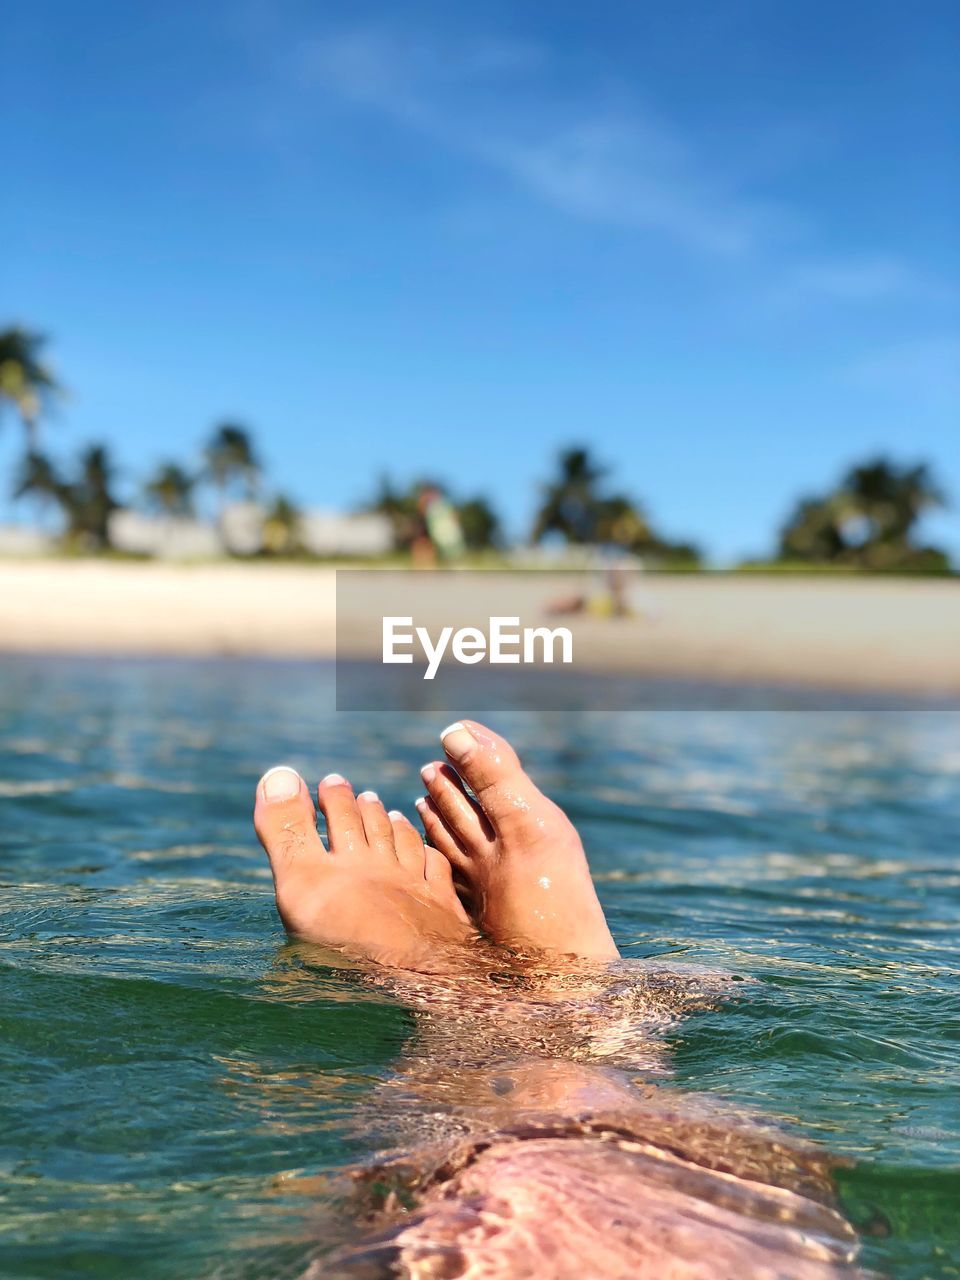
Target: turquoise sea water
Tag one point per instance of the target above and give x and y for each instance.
(172, 1106)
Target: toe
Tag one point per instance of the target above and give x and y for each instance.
(440, 836)
(338, 804)
(462, 815)
(439, 876)
(377, 827)
(286, 824)
(407, 842)
(490, 767)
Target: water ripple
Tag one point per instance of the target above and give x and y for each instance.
(177, 1080)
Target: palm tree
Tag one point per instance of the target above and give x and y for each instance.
(892, 499)
(571, 503)
(480, 524)
(867, 521)
(25, 381)
(400, 508)
(576, 507)
(170, 490)
(89, 500)
(39, 479)
(621, 523)
(230, 459)
(281, 528)
(814, 532)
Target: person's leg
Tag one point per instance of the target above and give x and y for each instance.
(517, 854)
(569, 1206)
(376, 893)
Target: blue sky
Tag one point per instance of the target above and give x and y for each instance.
(716, 240)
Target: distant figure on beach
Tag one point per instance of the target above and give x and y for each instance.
(608, 602)
(616, 593)
(438, 536)
(563, 1161)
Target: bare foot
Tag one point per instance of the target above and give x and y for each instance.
(516, 852)
(378, 893)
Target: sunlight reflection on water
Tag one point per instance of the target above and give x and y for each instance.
(171, 1099)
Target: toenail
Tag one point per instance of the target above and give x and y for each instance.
(368, 795)
(281, 783)
(420, 804)
(457, 740)
(428, 773)
(396, 816)
(332, 780)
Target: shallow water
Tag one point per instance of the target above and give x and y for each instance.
(173, 1103)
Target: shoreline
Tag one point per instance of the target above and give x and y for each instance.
(860, 634)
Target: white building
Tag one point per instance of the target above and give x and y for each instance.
(331, 533)
(166, 537)
(240, 533)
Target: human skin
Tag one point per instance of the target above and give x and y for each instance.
(516, 853)
(377, 893)
(380, 893)
(570, 1167)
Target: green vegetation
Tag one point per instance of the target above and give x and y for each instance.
(38, 479)
(281, 528)
(479, 523)
(85, 498)
(231, 463)
(169, 490)
(26, 384)
(576, 507)
(868, 521)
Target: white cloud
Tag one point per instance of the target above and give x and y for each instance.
(615, 173)
(621, 168)
(506, 106)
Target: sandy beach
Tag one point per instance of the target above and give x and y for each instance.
(870, 634)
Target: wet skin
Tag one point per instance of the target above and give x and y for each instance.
(376, 893)
(515, 852)
(568, 1169)
(379, 893)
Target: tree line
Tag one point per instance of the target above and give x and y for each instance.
(868, 520)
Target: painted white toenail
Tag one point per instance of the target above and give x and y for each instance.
(368, 795)
(332, 780)
(420, 804)
(457, 740)
(428, 773)
(396, 816)
(280, 783)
